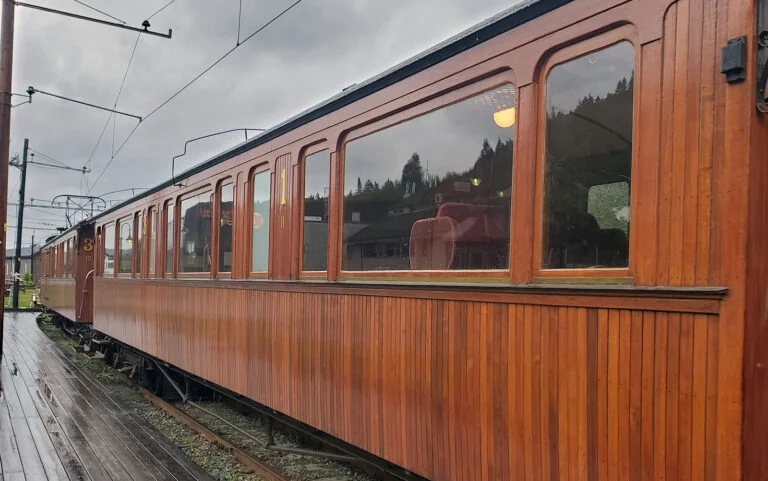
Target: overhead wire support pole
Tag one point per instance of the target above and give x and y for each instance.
(20, 223)
(32, 90)
(144, 29)
(6, 77)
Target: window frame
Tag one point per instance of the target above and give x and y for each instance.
(138, 219)
(433, 103)
(149, 222)
(172, 273)
(220, 184)
(102, 257)
(177, 228)
(314, 148)
(614, 275)
(129, 219)
(260, 169)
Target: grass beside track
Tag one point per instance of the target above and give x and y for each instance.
(25, 297)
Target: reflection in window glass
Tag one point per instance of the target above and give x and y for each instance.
(226, 215)
(169, 234)
(152, 238)
(139, 246)
(433, 192)
(260, 223)
(316, 184)
(109, 250)
(589, 160)
(125, 260)
(195, 238)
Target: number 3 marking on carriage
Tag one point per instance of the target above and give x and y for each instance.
(88, 245)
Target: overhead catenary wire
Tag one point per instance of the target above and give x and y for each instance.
(161, 9)
(47, 157)
(188, 84)
(111, 115)
(97, 10)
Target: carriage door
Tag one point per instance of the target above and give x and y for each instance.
(281, 245)
(83, 273)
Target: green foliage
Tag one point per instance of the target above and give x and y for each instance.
(27, 278)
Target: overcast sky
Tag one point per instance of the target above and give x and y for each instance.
(308, 55)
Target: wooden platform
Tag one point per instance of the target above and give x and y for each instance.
(58, 423)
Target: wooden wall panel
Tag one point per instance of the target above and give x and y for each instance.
(691, 139)
(450, 389)
(58, 294)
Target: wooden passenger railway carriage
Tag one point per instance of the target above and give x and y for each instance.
(536, 251)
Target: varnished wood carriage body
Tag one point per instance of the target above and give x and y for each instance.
(653, 369)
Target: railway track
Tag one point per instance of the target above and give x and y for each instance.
(243, 457)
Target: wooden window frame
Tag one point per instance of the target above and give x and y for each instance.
(215, 240)
(118, 226)
(260, 169)
(312, 149)
(177, 228)
(434, 103)
(60, 261)
(137, 268)
(104, 229)
(149, 221)
(174, 241)
(622, 275)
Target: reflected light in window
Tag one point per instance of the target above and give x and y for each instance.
(505, 118)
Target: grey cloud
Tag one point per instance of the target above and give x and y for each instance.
(306, 56)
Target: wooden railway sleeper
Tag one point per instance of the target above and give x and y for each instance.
(270, 444)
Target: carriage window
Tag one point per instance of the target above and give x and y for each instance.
(433, 193)
(139, 220)
(152, 238)
(589, 160)
(72, 250)
(226, 215)
(317, 179)
(109, 250)
(169, 237)
(195, 238)
(125, 259)
(66, 258)
(260, 223)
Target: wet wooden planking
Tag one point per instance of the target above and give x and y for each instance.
(57, 423)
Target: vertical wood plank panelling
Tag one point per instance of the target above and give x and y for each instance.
(545, 401)
(699, 397)
(709, 84)
(602, 395)
(453, 389)
(613, 395)
(685, 394)
(646, 169)
(667, 154)
(625, 332)
(501, 417)
(660, 397)
(691, 129)
(635, 394)
(677, 171)
(527, 385)
(710, 434)
(646, 418)
(673, 386)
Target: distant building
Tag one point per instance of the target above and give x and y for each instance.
(26, 263)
